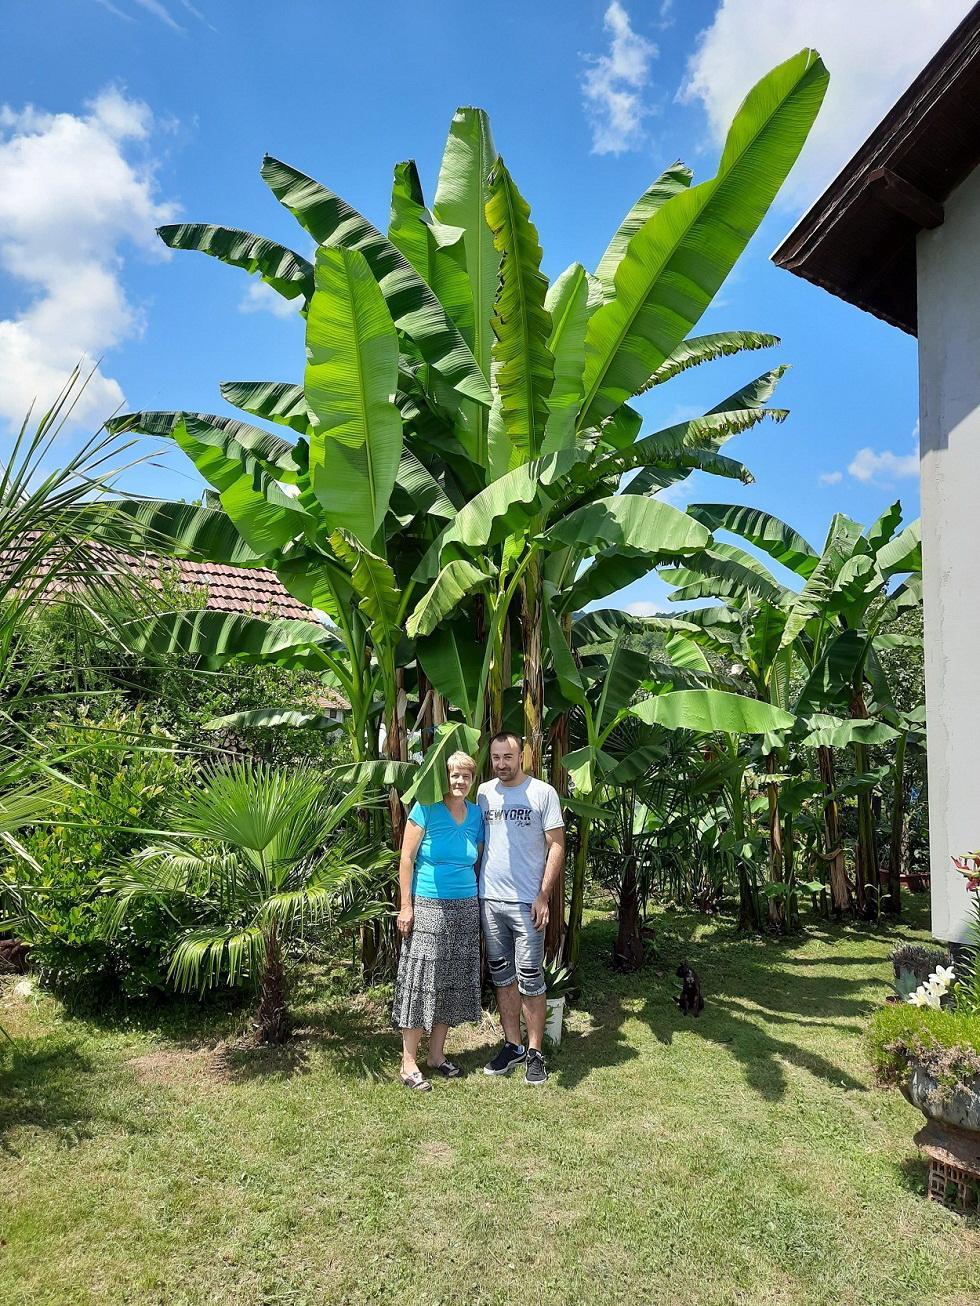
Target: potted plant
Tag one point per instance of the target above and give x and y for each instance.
(913, 963)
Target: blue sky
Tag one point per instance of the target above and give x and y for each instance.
(120, 114)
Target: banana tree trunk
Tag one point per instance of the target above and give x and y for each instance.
(777, 903)
(533, 687)
(866, 860)
(840, 889)
(555, 931)
(628, 953)
(573, 939)
(897, 834)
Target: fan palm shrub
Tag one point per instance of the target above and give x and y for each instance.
(254, 857)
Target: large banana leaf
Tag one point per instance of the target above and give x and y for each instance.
(677, 260)
(703, 349)
(696, 434)
(281, 268)
(710, 710)
(421, 492)
(505, 507)
(278, 454)
(276, 401)
(413, 305)
(352, 372)
(432, 781)
(265, 516)
(179, 530)
(838, 732)
(607, 574)
(443, 597)
(374, 584)
(814, 598)
(903, 553)
(830, 681)
(566, 672)
(223, 635)
(462, 194)
(631, 522)
(452, 660)
(676, 178)
(567, 302)
(434, 250)
(724, 571)
(624, 671)
(523, 366)
(761, 530)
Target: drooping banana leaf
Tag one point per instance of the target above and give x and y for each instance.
(677, 177)
(703, 349)
(838, 732)
(675, 263)
(452, 659)
(710, 710)
(421, 492)
(374, 584)
(283, 269)
(830, 681)
(506, 506)
(761, 530)
(606, 574)
(903, 553)
(265, 516)
(631, 522)
(413, 306)
(276, 401)
(223, 635)
(432, 780)
(624, 671)
(179, 530)
(567, 302)
(271, 449)
(724, 571)
(352, 372)
(455, 581)
(523, 366)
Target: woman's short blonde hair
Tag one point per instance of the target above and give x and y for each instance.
(462, 762)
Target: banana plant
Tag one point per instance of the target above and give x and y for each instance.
(457, 449)
(807, 650)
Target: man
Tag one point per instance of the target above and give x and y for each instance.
(524, 853)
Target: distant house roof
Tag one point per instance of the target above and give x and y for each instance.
(250, 590)
(858, 240)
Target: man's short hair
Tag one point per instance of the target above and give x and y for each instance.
(506, 734)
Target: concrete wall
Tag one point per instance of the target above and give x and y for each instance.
(949, 434)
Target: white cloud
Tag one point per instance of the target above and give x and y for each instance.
(643, 608)
(614, 83)
(71, 194)
(261, 298)
(873, 50)
(867, 465)
(830, 478)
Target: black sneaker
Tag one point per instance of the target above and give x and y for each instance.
(509, 1056)
(536, 1072)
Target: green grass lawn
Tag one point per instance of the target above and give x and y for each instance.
(745, 1157)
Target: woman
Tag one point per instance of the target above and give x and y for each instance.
(439, 968)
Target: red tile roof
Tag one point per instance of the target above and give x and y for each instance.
(251, 590)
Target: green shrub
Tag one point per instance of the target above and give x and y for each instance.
(122, 772)
(947, 1043)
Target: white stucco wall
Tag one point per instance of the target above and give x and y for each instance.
(949, 435)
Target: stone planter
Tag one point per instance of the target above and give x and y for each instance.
(959, 1106)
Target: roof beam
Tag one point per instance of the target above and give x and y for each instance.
(905, 198)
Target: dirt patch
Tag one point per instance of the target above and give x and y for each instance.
(176, 1067)
(437, 1155)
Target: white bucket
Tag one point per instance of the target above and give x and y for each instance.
(554, 1019)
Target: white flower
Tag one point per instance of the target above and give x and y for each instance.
(946, 974)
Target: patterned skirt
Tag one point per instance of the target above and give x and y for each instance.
(439, 967)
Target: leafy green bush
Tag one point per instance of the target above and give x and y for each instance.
(947, 1043)
(121, 772)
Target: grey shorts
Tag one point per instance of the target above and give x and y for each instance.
(515, 949)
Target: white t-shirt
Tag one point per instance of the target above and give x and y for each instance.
(515, 851)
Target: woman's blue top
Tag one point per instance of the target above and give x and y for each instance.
(446, 859)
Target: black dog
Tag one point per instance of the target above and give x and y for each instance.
(689, 999)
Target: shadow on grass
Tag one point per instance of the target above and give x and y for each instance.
(753, 988)
(47, 1085)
